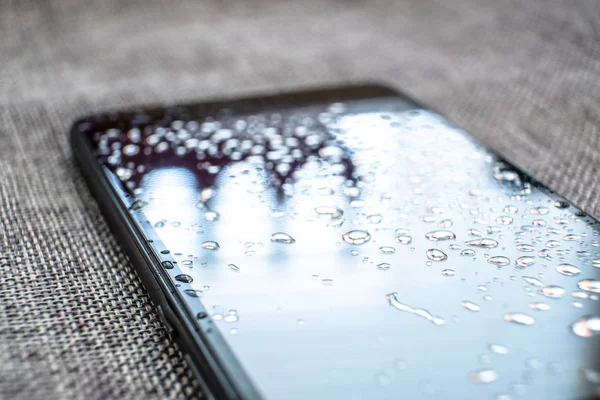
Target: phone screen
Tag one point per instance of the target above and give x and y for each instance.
(364, 248)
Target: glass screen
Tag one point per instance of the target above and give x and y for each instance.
(364, 248)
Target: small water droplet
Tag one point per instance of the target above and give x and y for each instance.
(577, 304)
(193, 293)
(467, 252)
(519, 318)
(436, 255)
(403, 239)
(561, 204)
(525, 248)
(329, 212)
(386, 250)
(282, 237)
(568, 269)
(394, 302)
(356, 236)
(484, 376)
(327, 282)
(553, 291)
(499, 349)
(533, 281)
(446, 223)
(499, 260)
(187, 262)
(234, 267)
(374, 218)
(382, 379)
(504, 220)
(210, 245)
(383, 266)
(184, 278)
(511, 209)
(211, 215)
(539, 306)
(552, 243)
(448, 272)
(539, 211)
(231, 316)
(440, 235)
(525, 261)
(469, 305)
(483, 242)
(138, 205)
(587, 326)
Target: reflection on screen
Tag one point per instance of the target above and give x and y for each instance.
(364, 250)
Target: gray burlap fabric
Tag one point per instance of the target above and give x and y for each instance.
(74, 320)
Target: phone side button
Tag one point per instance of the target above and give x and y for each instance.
(163, 318)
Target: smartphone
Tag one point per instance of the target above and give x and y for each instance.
(348, 243)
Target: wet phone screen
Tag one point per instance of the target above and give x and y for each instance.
(353, 245)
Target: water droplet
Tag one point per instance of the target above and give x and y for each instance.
(590, 375)
(539, 306)
(440, 235)
(403, 239)
(448, 272)
(539, 211)
(356, 236)
(533, 281)
(392, 299)
(504, 220)
(525, 248)
(187, 262)
(446, 223)
(483, 242)
(193, 293)
(436, 255)
(589, 285)
(383, 266)
(577, 304)
(525, 261)
(400, 365)
(545, 253)
(475, 232)
(327, 282)
(539, 223)
(211, 215)
(519, 318)
(385, 250)
(484, 376)
(282, 237)
(329, 212)
(587, 326)
(234, 267)
(499, 349)
(184, 278)
(553, 291)
(552, 243)
(499, 260)
(210, 245)
(568, 269)
(131, 149)
(138, 205)
(511, 209)
(336, 223)
(374, 218)
(467, 252)
(561, 204)
(231, 316)
(382, 379)
(470, 306)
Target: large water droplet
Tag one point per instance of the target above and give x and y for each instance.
(469, 305)
(440, 235)
(356, 236)
(587, 326)
(525, 261)
(483, 242)
(589, 285)
(436, 255)
(210, 245)
(519, 318)
(499, 260)
(282, 237)
(568, 269)
(484, 376)
(394, 302)
(329, 212)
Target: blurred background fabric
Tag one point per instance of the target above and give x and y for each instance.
(75, 322)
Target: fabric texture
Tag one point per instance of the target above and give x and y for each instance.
(75, 321)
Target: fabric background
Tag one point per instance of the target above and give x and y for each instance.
(75, 322)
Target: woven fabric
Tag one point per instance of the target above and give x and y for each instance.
(75, 322)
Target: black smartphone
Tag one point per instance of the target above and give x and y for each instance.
(348, 243)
